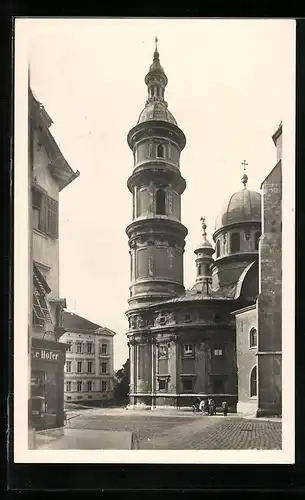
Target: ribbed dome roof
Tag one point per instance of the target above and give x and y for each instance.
(156, 111)
(242, 206)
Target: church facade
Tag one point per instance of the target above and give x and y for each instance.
(185, 344)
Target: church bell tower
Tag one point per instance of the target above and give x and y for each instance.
(156, 235)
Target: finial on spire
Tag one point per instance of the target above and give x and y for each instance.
(156, 53)
(203, 224)
(244, 178)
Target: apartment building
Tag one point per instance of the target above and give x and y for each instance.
(89, 360)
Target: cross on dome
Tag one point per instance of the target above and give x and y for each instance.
(203, 224)
(244, 178)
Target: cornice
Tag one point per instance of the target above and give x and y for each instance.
(240, 224)
(161, 224)
(151, 127)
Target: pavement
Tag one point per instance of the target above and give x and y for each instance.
(68, 438)
(163, 429)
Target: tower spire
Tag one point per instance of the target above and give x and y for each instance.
(156, 79)
(204, 226)
(156, 46)
(204, 258)
(244, 178)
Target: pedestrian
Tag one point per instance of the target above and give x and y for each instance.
(225, 408)
(214, 406)
(202, 406)
(210, 406)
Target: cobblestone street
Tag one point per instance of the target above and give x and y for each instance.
(170, 431)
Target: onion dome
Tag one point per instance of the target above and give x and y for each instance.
(242, 206)
(156, 80)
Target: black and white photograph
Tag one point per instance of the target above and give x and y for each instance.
(154, 183)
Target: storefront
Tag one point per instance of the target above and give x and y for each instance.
(47, 383)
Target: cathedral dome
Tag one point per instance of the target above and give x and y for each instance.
(242, 206)
(156, 111)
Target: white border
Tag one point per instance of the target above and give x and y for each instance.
(21, 452)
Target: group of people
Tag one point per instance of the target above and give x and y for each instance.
(209, 406)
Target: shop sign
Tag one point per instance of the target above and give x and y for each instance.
(46, 354)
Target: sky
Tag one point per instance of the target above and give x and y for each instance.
(229, 86)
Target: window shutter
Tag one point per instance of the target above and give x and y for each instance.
(52, 217)
(43, 214)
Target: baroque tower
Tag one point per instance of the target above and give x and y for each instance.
(156, 235)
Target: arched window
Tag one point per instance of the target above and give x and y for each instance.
(253, 337)
(218, 248)
(257, 237)
(160, 151)
(235, 242)
(253, 382)
(160, 202)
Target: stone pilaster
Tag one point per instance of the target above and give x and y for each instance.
(201, 368)
(172, 364)
(153, 371)
(144, 367)
(132, 357)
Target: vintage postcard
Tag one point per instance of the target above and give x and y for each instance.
(154, 291)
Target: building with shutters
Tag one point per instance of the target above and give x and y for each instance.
(49, 173)
(182, 343)
(89, 360)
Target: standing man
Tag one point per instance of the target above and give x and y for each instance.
(225, 408)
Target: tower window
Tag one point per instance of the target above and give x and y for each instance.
(218, 248)
(257, 237)
(160, 151)
(253, 337)
(253, 382)
(199, 269)
(160, 202)
(235, 242)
